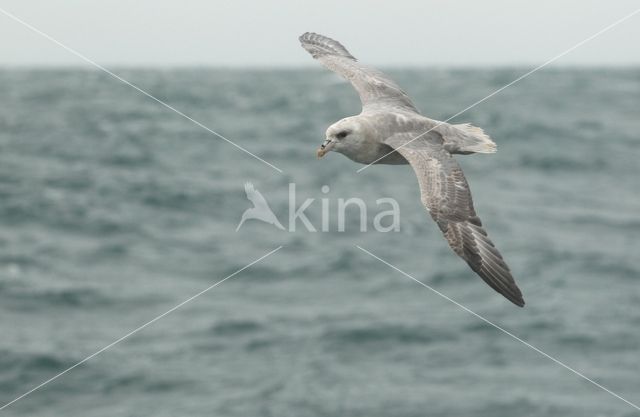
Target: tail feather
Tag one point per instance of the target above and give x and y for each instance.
(465, 138)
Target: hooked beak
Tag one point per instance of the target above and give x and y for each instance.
(325, 147)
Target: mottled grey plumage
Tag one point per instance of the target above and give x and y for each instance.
(385, 132)
(375, 88)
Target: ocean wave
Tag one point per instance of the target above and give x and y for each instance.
(562, 163)
(20, 369)
(25, 298)
(29, 361)
(616, 221)
(236, 327)
(144, 382)
(385, 334)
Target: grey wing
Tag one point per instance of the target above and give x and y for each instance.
(446, 195)
(376, 89)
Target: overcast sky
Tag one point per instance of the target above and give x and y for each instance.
(264, 33)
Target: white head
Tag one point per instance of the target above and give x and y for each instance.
(344, 136)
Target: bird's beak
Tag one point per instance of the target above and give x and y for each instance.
(325, 147)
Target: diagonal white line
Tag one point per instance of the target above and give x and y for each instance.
(122, 80)
(520, 78)
(508, 333)
(136, 330)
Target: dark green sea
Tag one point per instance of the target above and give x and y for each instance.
(114, 209)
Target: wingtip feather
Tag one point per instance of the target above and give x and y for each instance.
(318, 45)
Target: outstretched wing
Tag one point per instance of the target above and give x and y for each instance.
(446, 195)
(375, 88)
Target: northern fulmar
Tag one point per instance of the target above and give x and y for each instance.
(391, 130)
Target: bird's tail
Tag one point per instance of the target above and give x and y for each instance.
(472, 139)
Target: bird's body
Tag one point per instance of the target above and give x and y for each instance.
(390, 130)
(378, 125)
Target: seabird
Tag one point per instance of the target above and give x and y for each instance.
(391, 130)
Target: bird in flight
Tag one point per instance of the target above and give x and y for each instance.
(390, 130)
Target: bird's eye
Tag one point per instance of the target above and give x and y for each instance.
(342, 135)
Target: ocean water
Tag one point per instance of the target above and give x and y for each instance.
(113, 209)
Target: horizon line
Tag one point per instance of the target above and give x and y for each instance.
(295, 67)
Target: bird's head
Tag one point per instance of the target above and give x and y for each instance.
(342, 136)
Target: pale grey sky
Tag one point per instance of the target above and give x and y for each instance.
(264, 33)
